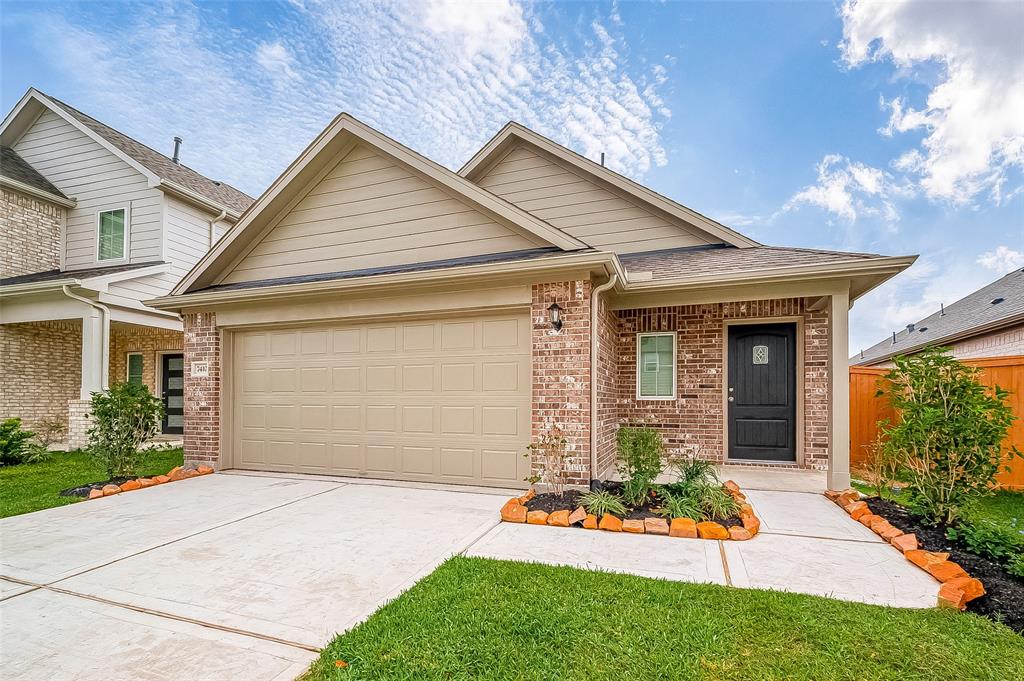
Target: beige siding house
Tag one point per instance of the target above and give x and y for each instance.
(93, 223)
(374, 314)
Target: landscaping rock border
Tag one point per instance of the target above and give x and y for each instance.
(175, 474)
(515, 511)
(957, 587)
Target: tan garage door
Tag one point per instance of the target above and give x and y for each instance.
(441, 400)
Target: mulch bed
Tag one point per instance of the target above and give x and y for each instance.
(83, 490)
(570, 499)
(1004, 598)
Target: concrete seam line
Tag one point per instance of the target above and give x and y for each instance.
(189, 536)
(182, 618)
(821, 538)
(381, 482)
(476, 540)
(725, 563)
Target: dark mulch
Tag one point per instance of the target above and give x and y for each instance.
(83, 490)
(1004, 598)
(570, 499)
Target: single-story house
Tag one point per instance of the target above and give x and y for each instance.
(986, 323)
(375, 314)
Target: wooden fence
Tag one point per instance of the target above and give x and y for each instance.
(866, 410)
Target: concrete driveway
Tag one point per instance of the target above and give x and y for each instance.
(220, 577)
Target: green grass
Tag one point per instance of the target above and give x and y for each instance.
(483, 619)
(33, 487)
(1004, 508)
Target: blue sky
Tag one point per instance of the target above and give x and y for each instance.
(893, 127)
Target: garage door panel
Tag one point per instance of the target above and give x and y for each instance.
(444, 400)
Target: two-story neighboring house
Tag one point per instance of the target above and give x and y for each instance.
(92, 223)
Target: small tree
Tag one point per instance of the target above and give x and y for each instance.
(123, 418)
(949, 433)
(552, 449)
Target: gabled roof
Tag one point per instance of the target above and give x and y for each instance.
(157, 167)
(513, 132)
(85, 273)
(344, 132)
(970, 316)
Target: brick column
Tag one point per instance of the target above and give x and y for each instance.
(202, 389)
(561, 372)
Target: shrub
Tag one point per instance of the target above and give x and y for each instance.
(882, 468)
(15, 443)
(716, 502)
(693, 471)
(1016, 565)
(123, 418)
(552, 450)
(988, 539)
(640, 449)
(949, 434)
(602, 502)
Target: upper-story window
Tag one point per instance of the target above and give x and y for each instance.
(112, 234)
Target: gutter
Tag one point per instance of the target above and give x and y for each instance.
(37, 287)
(214, 221)
(105, 340)
(198, 199)
(595, 343)
(37, 193)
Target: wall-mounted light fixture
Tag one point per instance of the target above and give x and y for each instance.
(555, 316)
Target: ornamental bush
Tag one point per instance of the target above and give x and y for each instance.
(123, 418)
(949, 434)
(640, 451)
(15, 442)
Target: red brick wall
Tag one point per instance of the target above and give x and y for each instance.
(694, 422)
(607, 387)
(202, 394)
(561, 371)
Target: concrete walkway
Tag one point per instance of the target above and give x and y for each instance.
(242, 576)
(807, 545)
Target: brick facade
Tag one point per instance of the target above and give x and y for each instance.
(694, 422)
(1001, 343)
(202, 393)
(41, 367)
(561, 371)
(149, 342)
(31, 234)
(607, 388)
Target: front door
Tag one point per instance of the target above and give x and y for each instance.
(762, 392)
(172, 390)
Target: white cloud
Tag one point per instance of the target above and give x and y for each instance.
(277, 60)
(1002, 260)
(849, 189)
(440, 78)
(972, 119)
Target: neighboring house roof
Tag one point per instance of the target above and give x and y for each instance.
(87, 273)
(512, 256)
(162, 166)
(508, 136)
(16, 168)
(972, 315)
(699, 260)
(342, 135)
(160, 169)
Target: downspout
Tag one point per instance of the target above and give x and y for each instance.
(595, 343)
(214, 221)
(105, 340)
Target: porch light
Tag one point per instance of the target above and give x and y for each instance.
(555, 315)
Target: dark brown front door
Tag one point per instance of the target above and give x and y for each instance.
(762, 392)
(172, 388)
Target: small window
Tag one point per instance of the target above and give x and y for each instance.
(111, 235)
(656, 366)
(135, 368)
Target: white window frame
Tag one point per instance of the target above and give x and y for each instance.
(127, 222)
(128, 366)
(675, 365)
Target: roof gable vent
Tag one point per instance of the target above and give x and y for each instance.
(996, 301)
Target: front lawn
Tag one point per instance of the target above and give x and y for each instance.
(32, 487)
(483, 619)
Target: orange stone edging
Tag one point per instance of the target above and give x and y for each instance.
(957, 587)
(515, 511)
(176, 473)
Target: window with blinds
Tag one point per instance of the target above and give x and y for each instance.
(656, 366)
(111, 235)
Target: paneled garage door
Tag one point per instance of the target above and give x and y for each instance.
(440, 400)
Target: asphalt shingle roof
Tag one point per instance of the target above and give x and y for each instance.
(54, 275)
(162, 166)
(697, 260)
(975, 312)
(15, 167)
